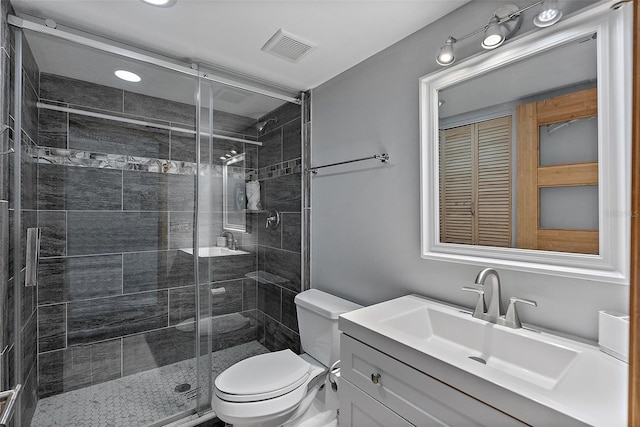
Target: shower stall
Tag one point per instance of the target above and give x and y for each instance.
(153, 274)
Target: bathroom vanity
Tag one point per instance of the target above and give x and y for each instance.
(415, 361)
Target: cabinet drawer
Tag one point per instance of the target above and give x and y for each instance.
(358, 409)
(415, 396)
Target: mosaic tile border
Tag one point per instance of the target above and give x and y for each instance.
(86, 159)
(289, 167)
(79, 158)
(66, 157)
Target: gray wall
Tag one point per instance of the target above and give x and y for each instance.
(366, 217)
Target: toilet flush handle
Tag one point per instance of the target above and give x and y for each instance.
(334, 373)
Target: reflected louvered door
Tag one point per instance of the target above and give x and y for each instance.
(475, 183)
(457, 182)
(494, 183)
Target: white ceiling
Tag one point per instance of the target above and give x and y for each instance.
(231, 33)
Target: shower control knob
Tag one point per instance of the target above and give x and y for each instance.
(375, 378)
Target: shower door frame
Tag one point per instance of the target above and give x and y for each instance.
(17, 222)
(192, 69)
(200, 75)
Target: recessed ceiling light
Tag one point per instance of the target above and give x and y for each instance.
(127, 76)
(160, 3)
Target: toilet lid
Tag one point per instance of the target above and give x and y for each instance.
(262, 377)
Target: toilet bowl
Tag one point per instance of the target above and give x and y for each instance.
(278, 388)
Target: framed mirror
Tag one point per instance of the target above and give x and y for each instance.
(234, 200)
(525, 152)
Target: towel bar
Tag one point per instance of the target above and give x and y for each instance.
(382, 157)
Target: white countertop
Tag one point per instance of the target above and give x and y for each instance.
(592, 390)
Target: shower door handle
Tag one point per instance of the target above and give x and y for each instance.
(33, 257)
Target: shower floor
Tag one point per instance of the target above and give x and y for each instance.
(136, 400)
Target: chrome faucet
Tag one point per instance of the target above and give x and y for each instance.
(511, 319)
(494, 314)
(495, 309)
(231, 241)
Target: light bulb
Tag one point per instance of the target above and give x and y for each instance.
(127, 76)
(494, 35)
(446, 55)
(549, 14)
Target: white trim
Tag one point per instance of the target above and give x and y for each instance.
(170, 64)
(614, 128)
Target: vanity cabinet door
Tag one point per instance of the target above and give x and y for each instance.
(415, 396)
(358, 409)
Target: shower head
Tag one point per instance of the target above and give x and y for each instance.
(263, 124)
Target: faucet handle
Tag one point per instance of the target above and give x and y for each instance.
(511, 319)
(481, 307)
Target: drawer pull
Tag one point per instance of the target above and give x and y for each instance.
(375, 378)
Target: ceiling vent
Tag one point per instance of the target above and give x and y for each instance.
(288, 46)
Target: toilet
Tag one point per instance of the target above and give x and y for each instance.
(279, 388)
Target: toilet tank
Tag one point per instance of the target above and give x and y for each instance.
(318, 324)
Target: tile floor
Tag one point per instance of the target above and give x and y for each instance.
(136, 400)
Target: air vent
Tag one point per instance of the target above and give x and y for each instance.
(288, 46)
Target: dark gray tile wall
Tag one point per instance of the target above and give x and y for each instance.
(279, 250)
(101, 232)
(113, 282)
(52, 327)
(156, 348)
(79, 278)
(79, 93)
(104, 318)
(105, 136)
(65, 188)
(27, 214)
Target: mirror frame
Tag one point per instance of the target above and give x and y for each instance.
(614, 44)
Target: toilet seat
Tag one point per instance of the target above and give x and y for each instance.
(276, 409)
(262, 377)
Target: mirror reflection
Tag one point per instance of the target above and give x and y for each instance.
(518, 154)
(233, 192)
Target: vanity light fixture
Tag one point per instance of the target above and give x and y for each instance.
(160, 3)
(494, 34)
(127, 76)
(549, 14)
(446, 56)
(503, 23)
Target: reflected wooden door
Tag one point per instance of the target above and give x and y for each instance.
(533, 178)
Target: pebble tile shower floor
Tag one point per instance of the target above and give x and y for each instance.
(136, 400)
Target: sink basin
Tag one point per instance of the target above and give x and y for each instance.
(214, 251)
(529, 374)
(523, 355)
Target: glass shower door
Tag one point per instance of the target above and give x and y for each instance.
(155, 274)
(114, 315)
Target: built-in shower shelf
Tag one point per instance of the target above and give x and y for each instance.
(262, 276)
